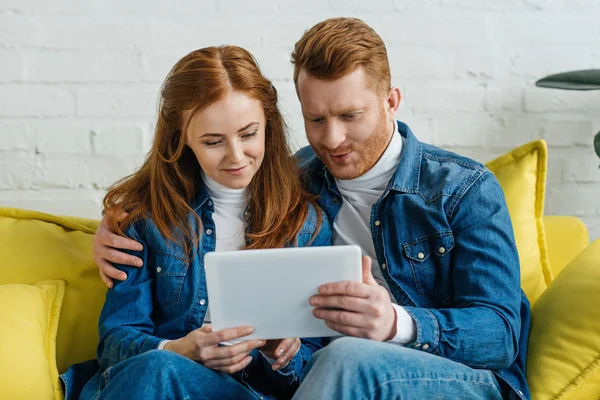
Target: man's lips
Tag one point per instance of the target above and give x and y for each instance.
(340, 157)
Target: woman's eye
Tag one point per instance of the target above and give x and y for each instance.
(210, 144)
(249, 135)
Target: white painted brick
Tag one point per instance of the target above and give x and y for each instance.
(274, 62)
(568, 133)
(156, 64)
(11, 67)
(230, 7)
(16, 135)
(118, 102)
(432, 98)
(557, 162)
(409, 62)
(15, 170)
(98, 66)
(427, 30)
(40, 6)
(570, 199)
(547, 29)
(61, 172)
(61, 138)
(553, 100)
(536, 62)
(137, 7)
(119, 140)
(466, 130)
(516, 131)
(106, 170)
(583, 167)
(193, 32)
(23, 100)
(362, 6)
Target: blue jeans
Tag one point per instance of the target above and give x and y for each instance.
(161, 374)
(351, 368)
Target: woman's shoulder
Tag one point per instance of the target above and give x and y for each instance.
(316, 230)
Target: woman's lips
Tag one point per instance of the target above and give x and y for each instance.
(236, 171)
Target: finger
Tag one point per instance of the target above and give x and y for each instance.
(107, 281)
(225, 335)
(341, 317)
(237, 367)
(367, 272)
(225, 362)
(110, 271)
(226, 352)
(205, 328)
(283, 346)
(346, 330)
(285, 358)
(119, 257)
(119, 242)
(348, 303)
(348, 288)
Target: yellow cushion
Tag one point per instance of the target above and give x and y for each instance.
(37, 246)
(522, 175)
(564, 343)
(29, 317)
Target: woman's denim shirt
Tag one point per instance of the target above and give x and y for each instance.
(167, 298)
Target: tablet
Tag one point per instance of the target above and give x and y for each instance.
(269, 289)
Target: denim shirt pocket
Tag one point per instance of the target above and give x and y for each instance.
(170, 271)
(430, 262)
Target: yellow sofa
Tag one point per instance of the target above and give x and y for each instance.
(560, 274)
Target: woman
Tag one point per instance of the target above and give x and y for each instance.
(218, 177)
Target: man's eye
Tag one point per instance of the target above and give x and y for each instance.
(348, 116)
(316, 120)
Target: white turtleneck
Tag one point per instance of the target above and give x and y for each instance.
(353, 223)
(229, 206)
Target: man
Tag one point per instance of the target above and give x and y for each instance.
(441, 315)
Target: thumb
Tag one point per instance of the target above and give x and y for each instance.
(366, 271)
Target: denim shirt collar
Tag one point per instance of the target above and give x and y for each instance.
(201, 198)
(406, 177)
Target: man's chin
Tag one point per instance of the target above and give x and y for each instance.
(343, 172)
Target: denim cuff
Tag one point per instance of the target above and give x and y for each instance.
(428, 330)
(150, 343)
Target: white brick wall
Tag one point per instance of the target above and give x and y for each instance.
(79, 82)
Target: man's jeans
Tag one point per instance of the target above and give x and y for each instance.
(351, 368)
(161, 374)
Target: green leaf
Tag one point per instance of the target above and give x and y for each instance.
(575, 80)
(597, 143)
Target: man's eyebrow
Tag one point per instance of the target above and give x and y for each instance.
(239, 130)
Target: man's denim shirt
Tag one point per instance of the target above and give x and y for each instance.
(445, 243)
(167, 299)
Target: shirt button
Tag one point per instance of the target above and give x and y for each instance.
(210, 203)
(520, 393)
(335, 201)
(421, 256)
(442, 250)
(425, 346)
(209, 232)
(383, 266)
(417, 345)
(377, 223)
(202, 302)
(158, 269)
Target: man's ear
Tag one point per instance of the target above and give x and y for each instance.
(392, 102)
